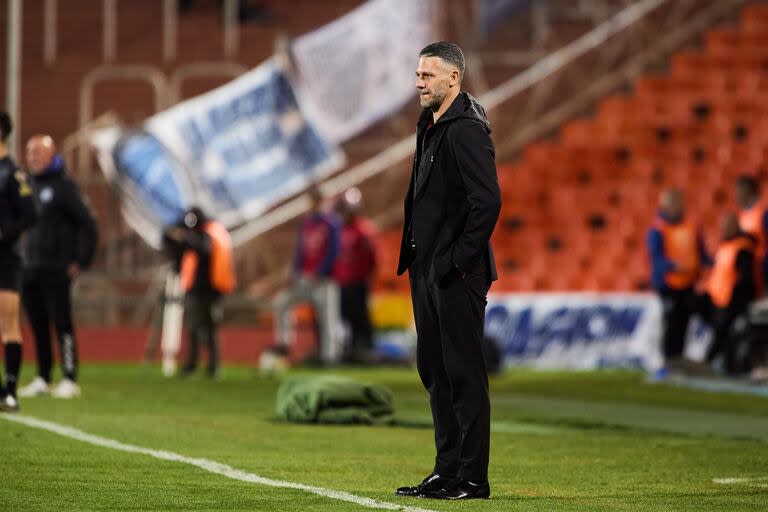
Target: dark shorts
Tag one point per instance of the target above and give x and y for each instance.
(10, 275)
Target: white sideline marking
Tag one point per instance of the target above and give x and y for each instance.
(752, 481)
(204, 464)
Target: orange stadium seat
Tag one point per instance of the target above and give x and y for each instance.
(754, 19)
(576, 209)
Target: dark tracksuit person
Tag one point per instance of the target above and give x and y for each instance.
(207, 272)
(677, 254)
(451, 209)
(354, 271)
(57, 248)
(730, 289)
(17, 214)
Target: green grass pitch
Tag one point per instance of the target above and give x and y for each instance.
(592, 441)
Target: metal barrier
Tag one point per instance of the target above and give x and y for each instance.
(111, 24)
(149, 74)
(201, 70)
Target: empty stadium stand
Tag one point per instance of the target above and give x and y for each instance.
(576, 207)
(593, 187)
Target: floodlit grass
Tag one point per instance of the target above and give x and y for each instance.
(561, 441)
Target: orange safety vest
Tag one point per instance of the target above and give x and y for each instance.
(751, 222)
(723, 278)
(222, 272)
(681, 245)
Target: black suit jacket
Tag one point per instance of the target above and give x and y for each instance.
(451, 210)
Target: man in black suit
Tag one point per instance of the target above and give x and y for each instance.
(451, 208)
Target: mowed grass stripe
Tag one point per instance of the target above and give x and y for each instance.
(563, 413)
(588, 463)
(204, 464)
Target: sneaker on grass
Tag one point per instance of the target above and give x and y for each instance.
(9, 404)
(66, 389)
(37, 387)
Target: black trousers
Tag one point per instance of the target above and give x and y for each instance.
(678, 306)
(47, 298)
(730, 327)
(449, 325)
(355, 314)
(202, 328)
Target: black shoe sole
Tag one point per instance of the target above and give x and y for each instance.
(446, 498)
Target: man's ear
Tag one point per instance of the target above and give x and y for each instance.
(454, 77)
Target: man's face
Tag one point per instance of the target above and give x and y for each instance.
(39, 154)
(742, 195)
(729, 226)
(434, 78)
(673, 204)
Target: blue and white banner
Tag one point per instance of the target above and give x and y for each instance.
(235, 151)
(361, 67)
(577, 330)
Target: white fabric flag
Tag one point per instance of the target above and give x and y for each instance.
(361, 67)
(235, 151)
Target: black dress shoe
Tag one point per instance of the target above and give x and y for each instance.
(432, 483)
(459, 489)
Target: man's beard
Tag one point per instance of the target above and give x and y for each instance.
(435, 102)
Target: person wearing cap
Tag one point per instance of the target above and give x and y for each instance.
(17, 214)
(354, 271)
(207, 273)
(57, 248)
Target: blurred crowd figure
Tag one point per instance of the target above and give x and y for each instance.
(354, 271)
(201, 250)
(312, 282)
(730, 289)
(677, 252)
(334, 264)
(734, 279)
(60, 245)
(17, 214)
(48, 235)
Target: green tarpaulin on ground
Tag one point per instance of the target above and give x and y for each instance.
(333, 399)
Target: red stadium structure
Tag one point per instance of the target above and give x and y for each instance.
(583, 151)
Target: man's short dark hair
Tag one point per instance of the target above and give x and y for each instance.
(6, 125)
(449, 52)
(748, 183)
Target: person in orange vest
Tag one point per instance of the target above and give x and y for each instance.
(677, 254)
(207, 273)
(729, 291)
(753, 219)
